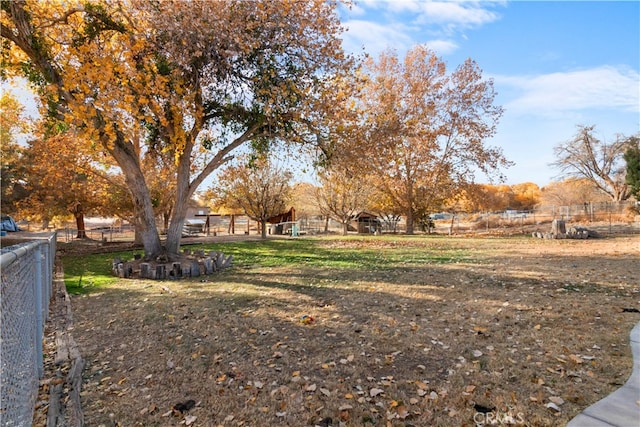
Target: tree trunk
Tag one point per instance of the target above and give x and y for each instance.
(166, 217)
(232, 225)
(410, 222)
(78, 213)
(326, 225)
(263, 226)
(142, 205)
(174, 232)
(345, 228)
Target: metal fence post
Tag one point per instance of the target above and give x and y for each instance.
(39, 284)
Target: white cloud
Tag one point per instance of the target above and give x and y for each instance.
(604, 87)
(404, 20)
(463, 14)
(442, 47)
(374, 37)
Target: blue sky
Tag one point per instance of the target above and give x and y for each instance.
(555, 64)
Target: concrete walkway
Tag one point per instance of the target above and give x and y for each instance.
(622, 407)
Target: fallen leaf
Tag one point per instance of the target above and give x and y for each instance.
(311, 387)
(375, 392)
(402, 412)
(552, 406)
(557, 400)
(575, 359)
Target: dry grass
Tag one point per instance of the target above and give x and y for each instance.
(377, 332)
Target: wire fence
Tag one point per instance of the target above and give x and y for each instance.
(26, 288)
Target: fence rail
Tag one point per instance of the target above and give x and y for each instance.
(26, 288)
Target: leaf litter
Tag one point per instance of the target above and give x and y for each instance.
(511, 328)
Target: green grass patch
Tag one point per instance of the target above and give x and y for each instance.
(342, 253)
(91, 272)
(86, 273)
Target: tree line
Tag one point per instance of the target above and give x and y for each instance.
(143, 101)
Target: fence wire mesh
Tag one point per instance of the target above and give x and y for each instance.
(27, 277)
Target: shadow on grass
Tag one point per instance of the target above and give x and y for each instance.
(432, 325)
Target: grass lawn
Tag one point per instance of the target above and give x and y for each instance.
(384, 331)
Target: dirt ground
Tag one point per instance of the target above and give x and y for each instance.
(524, 331)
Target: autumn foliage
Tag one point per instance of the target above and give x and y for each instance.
(179, 78)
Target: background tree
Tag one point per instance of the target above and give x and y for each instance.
(425, 129)
(632, 158)
(526, 195)
(12, 123)
(570, 192)
(341, 195)
(62, 177)
(586, 156)
(389, 213)
(304, 201)
(261, 189)
(178, 76)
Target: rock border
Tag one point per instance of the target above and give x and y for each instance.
(191, 264)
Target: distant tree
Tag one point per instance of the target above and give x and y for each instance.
(425, 129)
(586, 156)
(484, 198)
(62, 177)
(260, 188)
(632, 157)
(526, 195)
(571, 191)
(12, 123)
(304, 201)
(342, 194)
(382, 205)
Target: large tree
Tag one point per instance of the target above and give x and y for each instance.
(179, 77)
(586, 156)
(426, 128)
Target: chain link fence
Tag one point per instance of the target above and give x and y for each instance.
(27, 277)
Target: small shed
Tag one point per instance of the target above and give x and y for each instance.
(284, 222)
(368, 223)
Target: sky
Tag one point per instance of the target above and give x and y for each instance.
(555, 64)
